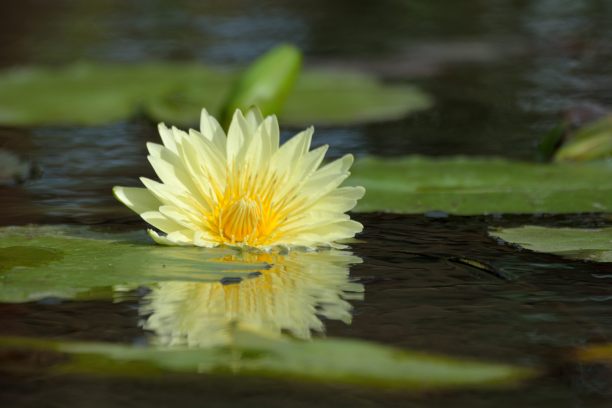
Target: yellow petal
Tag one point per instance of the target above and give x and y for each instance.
(237, 139)
(136, 199)
(167, 137)
(212, 130)
(161, 222)
(244, 189)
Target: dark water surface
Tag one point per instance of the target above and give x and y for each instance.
(529, 309)
(502, 72)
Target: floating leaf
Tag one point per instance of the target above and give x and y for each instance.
(86, 94)
(265, 84)
(67, 262)
(321, 97)
(481, 186)
(574, 243)
(591, 142)
(327, 97)
(329, 360)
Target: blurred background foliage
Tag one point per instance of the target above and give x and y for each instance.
(504, 78)
(502, 72)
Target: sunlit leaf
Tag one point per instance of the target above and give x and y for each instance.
(329, 360)
(597, 353)
(591, 142)
(265, 84)
(574, 243)
(481, 186)
(68, 262)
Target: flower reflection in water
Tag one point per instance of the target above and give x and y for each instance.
(290, 297)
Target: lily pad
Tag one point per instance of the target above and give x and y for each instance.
(327, 97)
(88, 94)
(68, 262)
(329, 360)
(85, 94)
(321, 97)
(573, 243)
(468, 186)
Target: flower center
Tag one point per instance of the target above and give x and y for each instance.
(240, 220)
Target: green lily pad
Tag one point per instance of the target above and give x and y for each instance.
(87, 94)
(329, 360)
(574, 243)
(321, 97)
(481, 186)
(68, 262)
(327, 97)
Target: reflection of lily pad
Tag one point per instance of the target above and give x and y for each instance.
(330, 360)
(66, 262)
(479, 186)
(175, 93)
(574, 243)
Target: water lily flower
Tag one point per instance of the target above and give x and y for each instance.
(244, 189)
(290, 297)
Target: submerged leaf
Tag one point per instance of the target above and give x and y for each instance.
(574, 243)
(67, 262)
(330, 360)
(481, 186)
(87, 94)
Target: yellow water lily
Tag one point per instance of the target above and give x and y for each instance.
(290, 297)
(244, 189)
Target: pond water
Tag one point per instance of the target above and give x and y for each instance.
(502, 73)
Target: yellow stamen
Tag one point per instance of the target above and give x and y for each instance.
(239, 222)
